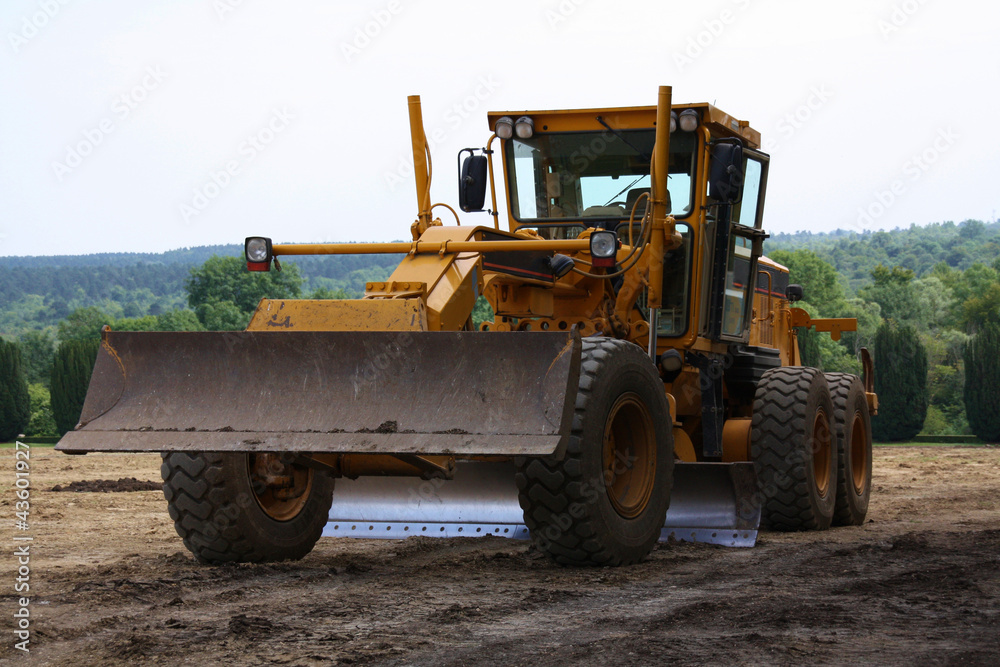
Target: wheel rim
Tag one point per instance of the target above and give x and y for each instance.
(629, 455)
(281, 489)
(859, 454)
(821, 452)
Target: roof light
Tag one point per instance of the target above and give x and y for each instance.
(525, 127)
(504, 127)
(688, 120)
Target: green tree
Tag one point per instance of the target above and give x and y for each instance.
(895, 293)
(83, 324)
(327, 293)
(225, 280)
(178, 320)
(820, 282)
(37, 350)
(982, 383)
(15, 406)
(42, 422)
(481, 312)
(222, 316)
(71, 370)
(900, 382)
(935, 302)
(982, 309)
(144, 323)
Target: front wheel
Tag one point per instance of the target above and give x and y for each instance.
(605, 503)
(245, 507)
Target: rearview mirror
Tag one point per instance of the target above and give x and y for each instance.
(472, 182)
(726, 175)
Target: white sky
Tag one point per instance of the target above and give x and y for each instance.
(888, 81)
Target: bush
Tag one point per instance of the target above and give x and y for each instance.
(982, 383)
(42, 423)
(15, 408)
(900, 382)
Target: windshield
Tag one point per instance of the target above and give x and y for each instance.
(593, 174)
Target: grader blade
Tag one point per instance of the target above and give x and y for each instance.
(715, 503)
(711, 503)
(453, 393)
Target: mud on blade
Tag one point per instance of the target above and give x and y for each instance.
(460, 393)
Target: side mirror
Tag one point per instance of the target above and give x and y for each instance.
(472, 182)
(794, 293)
(726, 175)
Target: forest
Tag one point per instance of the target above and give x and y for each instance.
(927, 290)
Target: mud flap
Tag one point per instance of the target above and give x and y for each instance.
(713, 503)
(452, 393)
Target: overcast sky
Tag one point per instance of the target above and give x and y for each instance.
(146, 126)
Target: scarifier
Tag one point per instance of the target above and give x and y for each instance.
(640, 379)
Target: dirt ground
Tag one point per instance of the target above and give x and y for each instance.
(111, 584)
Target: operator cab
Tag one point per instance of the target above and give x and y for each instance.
(567, 171)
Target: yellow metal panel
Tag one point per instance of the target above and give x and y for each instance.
(736, 440)
(451, 279)
(683, 447)
(339, 315)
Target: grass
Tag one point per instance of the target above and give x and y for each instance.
(33, 445)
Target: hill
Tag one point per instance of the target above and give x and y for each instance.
(40, 291)
(918, 248)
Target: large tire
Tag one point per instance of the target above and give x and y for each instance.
(792, 447)
(606, 501)
(853, 429)
(227, 512)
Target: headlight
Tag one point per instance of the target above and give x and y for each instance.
(603, 248)
(525, 127)
(673, 122)
(504, 127)
(257, 250)
(688, 120)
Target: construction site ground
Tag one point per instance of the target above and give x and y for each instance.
(111, 584)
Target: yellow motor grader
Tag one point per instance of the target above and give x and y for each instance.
(640, 379)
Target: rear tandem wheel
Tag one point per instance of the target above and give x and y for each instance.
(605, 503)
(853, 428)
(244, 507)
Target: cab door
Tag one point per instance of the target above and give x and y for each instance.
(738, 184)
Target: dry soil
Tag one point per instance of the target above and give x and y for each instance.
(111, 584)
